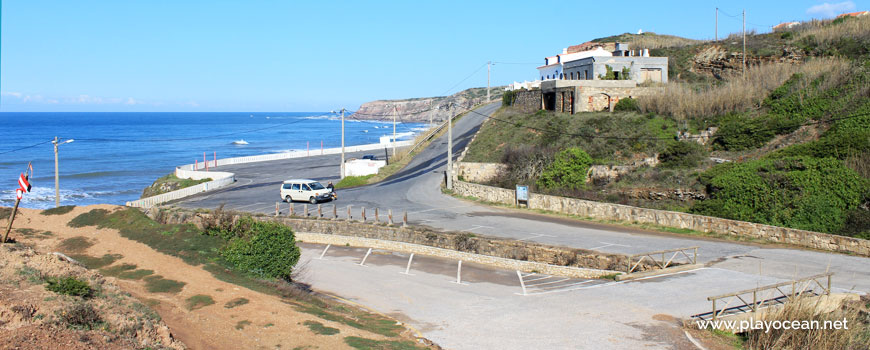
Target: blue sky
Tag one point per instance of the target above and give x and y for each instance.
(165, 55)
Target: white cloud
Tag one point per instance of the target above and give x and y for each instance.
(131, 101)
(828, 10)
(13, 94)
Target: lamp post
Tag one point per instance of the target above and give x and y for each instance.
(449, 150)
(56, 173)
(342, 144)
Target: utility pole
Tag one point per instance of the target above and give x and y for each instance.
(342, 143)
(56, 172)
(449, 151)
(744, 44)
(488, 68)
(716, 35)
(395, 112)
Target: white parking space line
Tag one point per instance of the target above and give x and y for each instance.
(545, 283)
(608, 245)
(536, 279)
(535, 235)
(245, 206)
(477, 227)
(568, 289)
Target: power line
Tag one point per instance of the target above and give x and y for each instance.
(23, 148)
(463, 80)
(523, 63)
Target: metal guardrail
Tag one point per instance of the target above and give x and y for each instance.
(662, 263)
(769, 295)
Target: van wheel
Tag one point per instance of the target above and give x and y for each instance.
(312, 200)
(288, 199)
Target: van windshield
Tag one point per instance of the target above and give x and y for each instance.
(316, 186)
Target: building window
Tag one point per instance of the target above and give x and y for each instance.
(561, 77)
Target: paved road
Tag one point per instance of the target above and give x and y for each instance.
(416, 189)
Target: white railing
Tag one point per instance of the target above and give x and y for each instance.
(221, 179)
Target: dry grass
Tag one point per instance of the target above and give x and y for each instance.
(650, 40)
(736, 95)
(855, 337)
(826, 32)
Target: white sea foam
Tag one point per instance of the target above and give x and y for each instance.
(43, 197)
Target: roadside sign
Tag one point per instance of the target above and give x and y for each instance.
(522, 195)
(23, 184)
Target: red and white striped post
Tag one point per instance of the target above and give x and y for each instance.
(321, 147)
(308, 148)
(215, 159)
(205, 160)
(195, 164)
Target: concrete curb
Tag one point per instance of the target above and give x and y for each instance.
(520, 265)
(678, 268)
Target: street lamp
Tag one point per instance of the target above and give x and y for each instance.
(56, 176)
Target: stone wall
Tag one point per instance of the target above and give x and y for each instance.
(617, 212)
(528, 100)
(478, 172)
(597, 263)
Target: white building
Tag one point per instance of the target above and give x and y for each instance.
(528, 85)
(553, 66)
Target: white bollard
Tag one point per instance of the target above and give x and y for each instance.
(522, 283)
(363, 262)
(324, 251)
(459, 273)
(408, 268)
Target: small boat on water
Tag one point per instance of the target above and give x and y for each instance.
(365, 131)
(240, 142)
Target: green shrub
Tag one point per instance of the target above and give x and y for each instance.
(265, 249)
(68, 286)
(686, 154)
(739, 132)
(91, 218)
(799, 192)
(626, 105)
(199, 301)
(59, 210)
(857, 224)
(81, 316)
(568, 170)
(509, 97)
(319, 328)
(845, 138)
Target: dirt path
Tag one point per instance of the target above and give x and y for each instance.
(265, 322)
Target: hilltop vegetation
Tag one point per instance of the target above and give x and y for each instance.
(793, 135)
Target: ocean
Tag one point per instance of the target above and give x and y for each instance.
(114, 156)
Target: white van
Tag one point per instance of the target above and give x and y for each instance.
(304, 190)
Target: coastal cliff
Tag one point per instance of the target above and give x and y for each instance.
(428, 109)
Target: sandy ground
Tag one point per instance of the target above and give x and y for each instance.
(264, 323)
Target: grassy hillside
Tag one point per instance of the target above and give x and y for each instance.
(794, 134)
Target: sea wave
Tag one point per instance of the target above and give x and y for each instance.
(43, 197)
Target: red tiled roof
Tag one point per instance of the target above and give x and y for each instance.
(855, 14)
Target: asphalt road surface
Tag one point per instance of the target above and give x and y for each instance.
(416, 190)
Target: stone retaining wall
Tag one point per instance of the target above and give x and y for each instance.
(478, 172)
(597, 264)
(617, 212)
